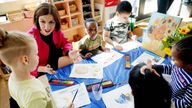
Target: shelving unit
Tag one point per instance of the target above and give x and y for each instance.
(97, 7)
(71, 15)
(94, 9)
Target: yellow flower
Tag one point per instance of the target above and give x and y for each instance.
(184, 30)
(190, 26)
(167, 51)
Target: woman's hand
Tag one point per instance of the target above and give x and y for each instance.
(46, 69)
(75, 55)
(88, 55)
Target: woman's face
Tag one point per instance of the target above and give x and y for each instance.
(47, 24)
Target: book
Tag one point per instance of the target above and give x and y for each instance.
(160, 25)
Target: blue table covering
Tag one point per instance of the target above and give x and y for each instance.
(115, 72)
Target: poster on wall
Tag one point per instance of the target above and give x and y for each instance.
(160, 25)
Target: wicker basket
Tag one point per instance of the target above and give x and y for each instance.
(62, 12)
(72, 7)
(64, 26)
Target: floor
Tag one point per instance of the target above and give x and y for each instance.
(4, 94)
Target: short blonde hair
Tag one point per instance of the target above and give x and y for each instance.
(13, 44)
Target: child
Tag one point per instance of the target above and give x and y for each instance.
(91, 44)
(149, 90)
(19, 52)
(53, 47)
(181, 73)
(116, 29)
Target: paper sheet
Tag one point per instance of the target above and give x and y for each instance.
(63, 98)
(119, 98)
(87, 71)
(130, 45)
(107, 58)
(144, 57)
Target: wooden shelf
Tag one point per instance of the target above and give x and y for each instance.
(87, 5)
(86, 13)
(62, 17)
(58, 2)
(72, 28)
(76, 13)
(73, 20)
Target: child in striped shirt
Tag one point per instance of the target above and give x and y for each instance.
(181, 73)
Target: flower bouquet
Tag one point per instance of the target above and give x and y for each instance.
(170, 40)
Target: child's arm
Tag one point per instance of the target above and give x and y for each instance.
(163, 69)
(106, 36)
(186, 100)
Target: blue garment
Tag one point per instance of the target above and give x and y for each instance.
(181, 85)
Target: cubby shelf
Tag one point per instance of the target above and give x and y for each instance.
(71, 16)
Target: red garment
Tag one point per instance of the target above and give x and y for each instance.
(43, 49)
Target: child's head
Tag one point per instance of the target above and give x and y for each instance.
(46, 18)
(149, 90)
(181, 53)
(124, 9)
(91, 27)
(18, 49)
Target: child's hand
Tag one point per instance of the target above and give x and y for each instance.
(71, 106)
(106, 49)
(74, 54)
(88, 55)
(118, 47)
(46, 69)
(148, 66)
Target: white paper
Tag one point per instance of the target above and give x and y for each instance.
(144, 57)
(130, 45)
(63, 98)
(113, 98)
(107, 58)
(87, 71)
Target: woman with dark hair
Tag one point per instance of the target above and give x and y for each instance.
(54, 50)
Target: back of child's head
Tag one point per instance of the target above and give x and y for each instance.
(124, 7)
(90, 20)
(149, 90)
(13, 44)
(46, 9)
(183, 49)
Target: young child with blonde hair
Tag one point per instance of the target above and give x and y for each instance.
(19, 51)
